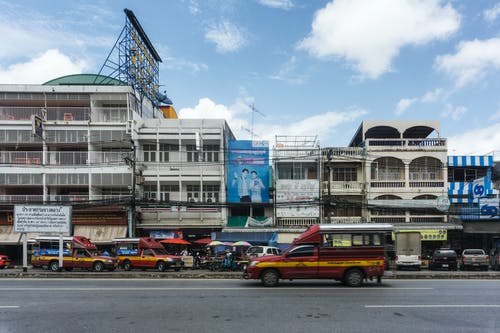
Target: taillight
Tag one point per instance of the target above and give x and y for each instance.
(419, 257)
(464, 257)
(488, 258)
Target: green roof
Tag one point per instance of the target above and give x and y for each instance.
(85, 80)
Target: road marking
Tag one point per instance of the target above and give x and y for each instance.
(9, 306)
(435, 306)
(134, 288)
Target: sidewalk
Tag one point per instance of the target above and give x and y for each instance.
(36, 273)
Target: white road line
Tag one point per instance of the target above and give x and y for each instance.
(435, 306)
(9, 306)
(134, 288)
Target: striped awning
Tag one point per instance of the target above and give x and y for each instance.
(483, 161)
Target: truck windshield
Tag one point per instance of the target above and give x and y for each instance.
(95, 253)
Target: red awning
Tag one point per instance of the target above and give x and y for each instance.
(175, 241)
(203, 241)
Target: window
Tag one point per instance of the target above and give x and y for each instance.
(344, 174)
(211, 153)
(166, 190)
(150, 191)
(387, 168)
(297, 170)
(193, 193)
(210, 193)
(302, 251)
(348, 240)
(193, 155)
(148, 252)
(149, 153)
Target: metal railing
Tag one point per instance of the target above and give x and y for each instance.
(413, 144)
(16, 198)
(62, 157)
(21, 157)
(99, 114)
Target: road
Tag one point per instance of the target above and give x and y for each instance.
(178, 305)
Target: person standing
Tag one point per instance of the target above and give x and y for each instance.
(242, 182)
(256, 187)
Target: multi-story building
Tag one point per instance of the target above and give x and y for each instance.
(393, 172)
(474, 201)
(79, 161)
(183, 165)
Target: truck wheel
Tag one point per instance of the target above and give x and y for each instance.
(270, 278)
(54, 266)
(98, 267)
(126, 265)
(353, 278)
(161, 266)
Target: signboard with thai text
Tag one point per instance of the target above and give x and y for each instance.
(42, 218)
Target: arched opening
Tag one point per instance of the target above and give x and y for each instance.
(387, 168)
(382, 132)
(426, 168)
(420, 132)
(425, 197)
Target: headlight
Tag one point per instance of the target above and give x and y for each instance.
(253, 263)
(170, 259)
(109, 261)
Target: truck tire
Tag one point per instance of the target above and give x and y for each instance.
(161, 266)
(270, 278)
(98, 266)
(353, 278)
(54, 266)
(127, 265)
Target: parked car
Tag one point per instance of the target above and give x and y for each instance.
(444, 258)
(4, 261)
(495, 259)
(472, 258)
(260, 251)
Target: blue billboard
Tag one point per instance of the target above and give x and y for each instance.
(248, 171)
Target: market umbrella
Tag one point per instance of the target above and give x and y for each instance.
(228, 244)
(215, 243)
(242, 243)
(203, 241)
(175, 241)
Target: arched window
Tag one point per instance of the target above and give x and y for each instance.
(426, 168)
(387, 168)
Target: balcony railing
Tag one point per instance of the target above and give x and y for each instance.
(408, 144)
(108, 115)
(62, 157)
(343, 152)
(62, 198)
(386, 184)
(346, 219)
(343, 186)
(300, 222)
(21, 157)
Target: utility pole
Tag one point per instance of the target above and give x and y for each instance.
(131, 162)
(329, 156)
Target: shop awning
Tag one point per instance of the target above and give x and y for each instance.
(482, 227)
(100, 234)
(9, 237)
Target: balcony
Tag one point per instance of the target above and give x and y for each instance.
(299, 222)
(344, 153)
(14, 199)
(406, 144)
(345, 219)
(53, 113)
(21, 157)
(343, 187)
(109, 115)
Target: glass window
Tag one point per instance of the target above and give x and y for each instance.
(344, 174)
(302, 251)
(149, 153)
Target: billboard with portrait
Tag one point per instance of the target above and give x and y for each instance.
(248, 171)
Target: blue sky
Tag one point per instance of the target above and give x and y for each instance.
(311, 67)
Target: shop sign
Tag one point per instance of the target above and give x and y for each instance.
(428, 234)
(43, 218)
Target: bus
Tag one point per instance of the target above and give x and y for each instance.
(351, 253)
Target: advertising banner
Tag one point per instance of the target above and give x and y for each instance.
(248, 171)
(489, 209)
(301, 192)
(43, 218)
(479, 188)
(428, 234)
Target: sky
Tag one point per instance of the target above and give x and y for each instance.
(308, 67)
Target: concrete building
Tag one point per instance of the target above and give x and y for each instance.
(391, 172)
(80, 161)
(183, 165)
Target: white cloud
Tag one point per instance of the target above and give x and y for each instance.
(281, 4)
(45, 67)
(472, 61)
(432, 96)
(226, 36)
(491, 14)
(286, 72)
(370, 34)
(454, 112)
(238, 117)
(476, 142)
(194, 7)
(403, 105)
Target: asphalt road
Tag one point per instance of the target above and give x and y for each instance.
(178, 305)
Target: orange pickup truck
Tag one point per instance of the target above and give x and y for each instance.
(78, 252)
(145, 252)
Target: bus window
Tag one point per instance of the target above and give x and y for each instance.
(341, 240)
(376, 239)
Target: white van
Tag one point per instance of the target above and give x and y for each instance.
(260, 251)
